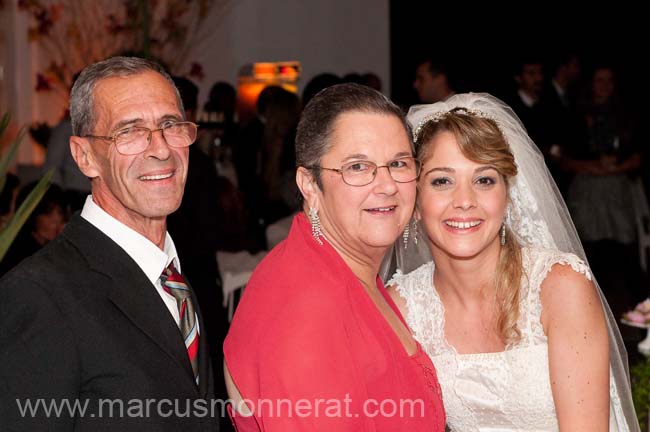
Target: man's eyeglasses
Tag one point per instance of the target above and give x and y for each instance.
(134, 140)
(361, 173)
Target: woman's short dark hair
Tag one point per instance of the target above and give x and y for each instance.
(313, 136)
(52, 198)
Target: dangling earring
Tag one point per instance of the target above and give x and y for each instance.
(506, 220)
(405, 236)
(315, 225)
(415, 231)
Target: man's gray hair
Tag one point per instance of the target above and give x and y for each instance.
(82, 109)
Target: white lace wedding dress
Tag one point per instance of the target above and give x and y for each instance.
(503, 391)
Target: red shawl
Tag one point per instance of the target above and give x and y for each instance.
(311, 352)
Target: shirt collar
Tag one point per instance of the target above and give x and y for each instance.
(558, 88)
(151, 260)
(526, 99)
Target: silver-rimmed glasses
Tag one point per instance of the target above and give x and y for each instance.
(134, 140)
(361, 173)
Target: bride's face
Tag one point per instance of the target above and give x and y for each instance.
(461, 203)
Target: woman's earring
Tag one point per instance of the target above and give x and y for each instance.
(315, 225)
(415, 231)
(405, 236)
(506, 221)
(407, 231)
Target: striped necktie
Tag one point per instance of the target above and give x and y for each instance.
(174, 284)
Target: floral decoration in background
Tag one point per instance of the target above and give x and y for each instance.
(75, 33)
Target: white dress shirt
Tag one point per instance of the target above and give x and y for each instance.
(561, 92)
(526, 99)
(151, 260)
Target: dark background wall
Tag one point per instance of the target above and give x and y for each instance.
(481, 44)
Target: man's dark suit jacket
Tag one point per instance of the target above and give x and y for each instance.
(80, 321)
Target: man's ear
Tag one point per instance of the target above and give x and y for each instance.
(83, 155)
(307, 185)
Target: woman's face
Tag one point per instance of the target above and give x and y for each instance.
(49, 225)
(461, 203)
(603, 85)
(371, 216)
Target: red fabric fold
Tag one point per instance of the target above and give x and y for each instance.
(306, 332)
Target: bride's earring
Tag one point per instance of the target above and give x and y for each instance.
(503, 234)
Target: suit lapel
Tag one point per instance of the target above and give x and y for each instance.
(138, 300)
(129, 289)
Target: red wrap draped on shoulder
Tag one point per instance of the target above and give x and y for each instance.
(309, 351)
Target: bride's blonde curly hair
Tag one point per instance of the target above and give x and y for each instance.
(481, 141)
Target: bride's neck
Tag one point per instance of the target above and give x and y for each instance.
(467, 279)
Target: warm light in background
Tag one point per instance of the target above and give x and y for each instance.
(253, 78)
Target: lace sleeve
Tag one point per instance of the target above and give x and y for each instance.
(425, 314)
(543, 261)
(397, 280)
(538, 263)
